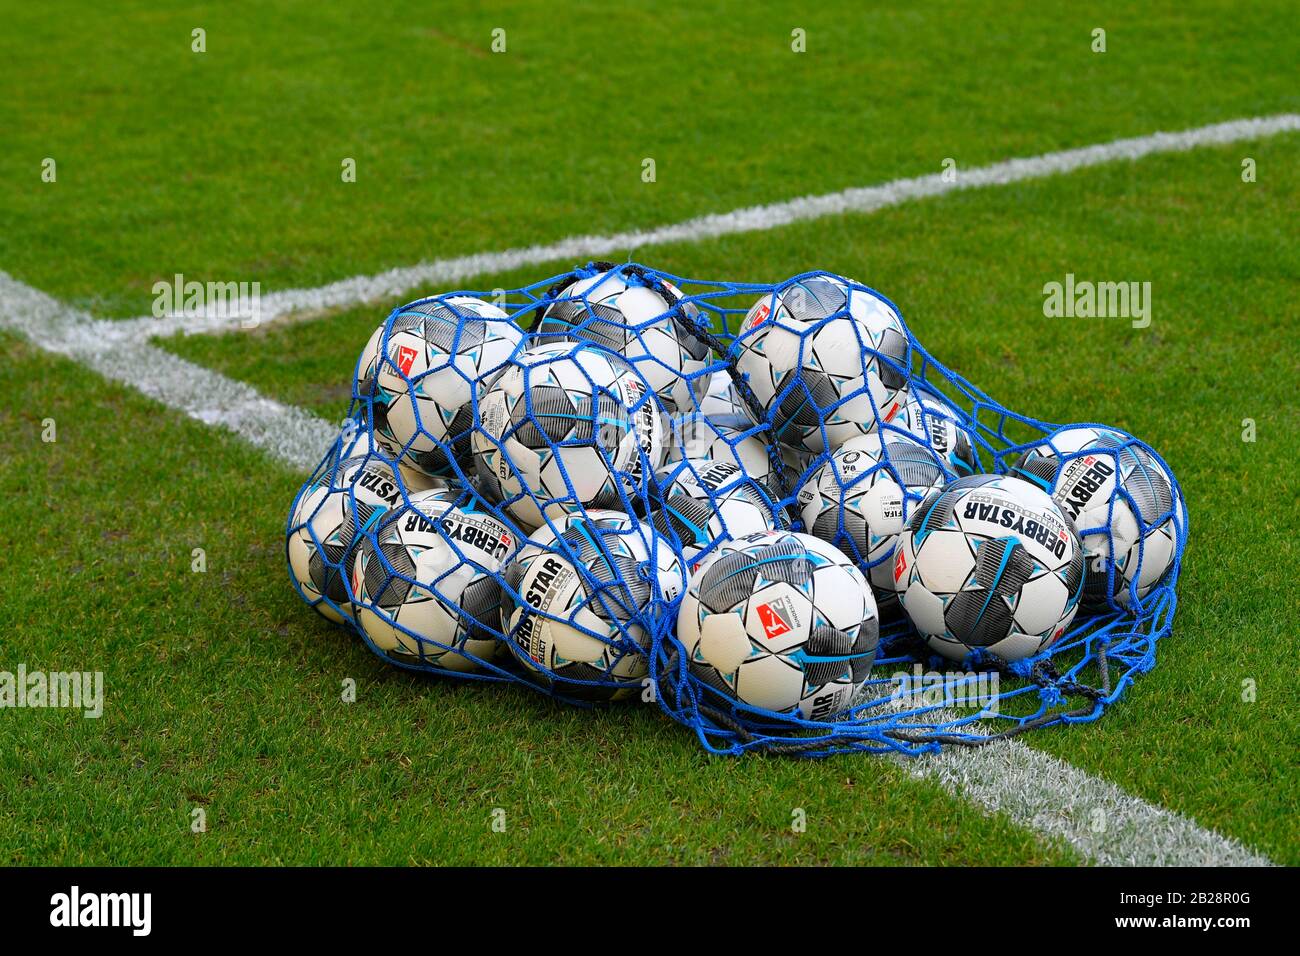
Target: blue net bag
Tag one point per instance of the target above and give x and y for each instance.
(767, 509)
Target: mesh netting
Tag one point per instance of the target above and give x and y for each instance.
(767, 509)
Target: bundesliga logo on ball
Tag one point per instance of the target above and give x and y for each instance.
(780, 621)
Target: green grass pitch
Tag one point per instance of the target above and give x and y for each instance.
(224, 693)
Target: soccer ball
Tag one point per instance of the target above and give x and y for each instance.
(330, 511)
(855, 501)
(989, 562)
(425, 582)
(565, 426)
(1090, 470)
(375, 473)
(782, 621)
(815, 356)
(936, 422)
(424, 386)
(697, 437)
(621, 313)
(706, 501)
(578, 601)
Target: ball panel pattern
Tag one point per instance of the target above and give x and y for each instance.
(1122, 502)
(825, 360)
(565, 427)
(968, 562)
(755, 627)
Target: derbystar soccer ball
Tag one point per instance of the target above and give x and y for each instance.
(332, 508)
(425, 583)
(857, 503)
(564, 427)
(377, 469)
(989, 562)
(706, 501)
(934, 421)
(782, 621)
(436, 356)
(578, 604)
(815, 356)
(694, 436)
(625, 315)
(1129, 548)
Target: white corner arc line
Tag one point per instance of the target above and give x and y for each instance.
(395, 283)
(1032, 788)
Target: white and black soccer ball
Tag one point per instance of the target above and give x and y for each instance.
(1122, 502)
(704, 501)
(781, 621)
(564, 427)
(817, 354)
(580, 599)
(861, 498)
(374, 468)
(694, 436)
(426, 582)
(331, 510)
(991, 562)
(625, 314)
(935, 421)
(422, 390)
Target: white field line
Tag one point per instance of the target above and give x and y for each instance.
(1033, 789)
(1099, 820)
(444, 273)
(290, 434)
